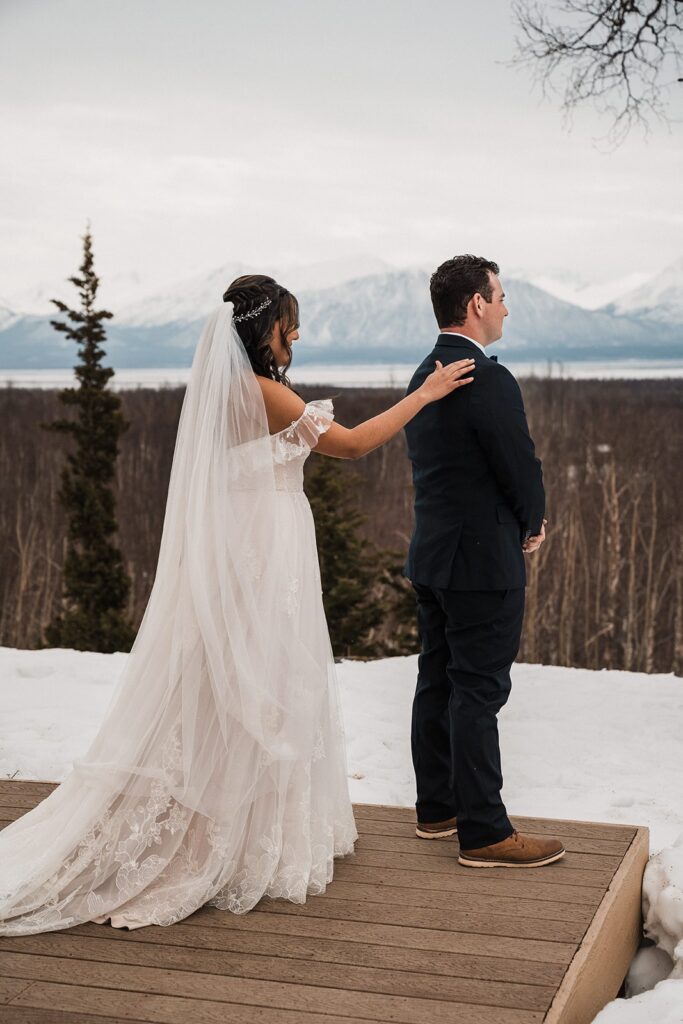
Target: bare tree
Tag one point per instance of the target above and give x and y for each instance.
(622, 55)
(606, 589)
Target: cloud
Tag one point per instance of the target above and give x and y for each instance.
(297, 133)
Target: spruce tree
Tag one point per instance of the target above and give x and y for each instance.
(369, 605)
(348, 564)
(95, 583)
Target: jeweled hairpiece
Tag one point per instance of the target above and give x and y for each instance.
(253, 313)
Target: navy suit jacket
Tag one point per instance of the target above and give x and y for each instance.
(478, 484)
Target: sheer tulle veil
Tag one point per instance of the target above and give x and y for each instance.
(217, 703)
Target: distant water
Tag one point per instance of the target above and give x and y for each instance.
(363, 375)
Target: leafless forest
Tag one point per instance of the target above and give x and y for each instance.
(605, 591)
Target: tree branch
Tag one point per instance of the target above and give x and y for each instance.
(613, 53)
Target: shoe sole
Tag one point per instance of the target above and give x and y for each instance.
(436, 835)
(539, 862)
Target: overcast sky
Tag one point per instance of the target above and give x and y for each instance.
(275, 132)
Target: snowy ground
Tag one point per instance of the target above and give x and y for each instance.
(595, 746)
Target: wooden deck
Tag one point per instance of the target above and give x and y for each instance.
(403, 934)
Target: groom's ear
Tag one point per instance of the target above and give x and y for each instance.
(478, 300)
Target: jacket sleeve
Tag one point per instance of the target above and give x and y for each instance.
(499, 422)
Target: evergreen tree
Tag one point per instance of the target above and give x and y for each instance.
(95, 584)
(400, 635)
(348, 564)
(370, 609)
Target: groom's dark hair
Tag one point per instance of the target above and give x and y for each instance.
(453, 284)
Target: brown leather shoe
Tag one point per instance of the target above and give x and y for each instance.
(517, 851)
(436, 829)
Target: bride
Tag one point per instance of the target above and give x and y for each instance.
(218, 775)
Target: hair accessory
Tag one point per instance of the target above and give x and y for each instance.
(254, 312)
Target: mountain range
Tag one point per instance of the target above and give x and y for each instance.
(364, 311)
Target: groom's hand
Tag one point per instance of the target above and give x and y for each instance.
(534, 543)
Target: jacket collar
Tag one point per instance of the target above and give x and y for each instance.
(459, 341)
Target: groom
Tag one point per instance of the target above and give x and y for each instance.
(479, 504)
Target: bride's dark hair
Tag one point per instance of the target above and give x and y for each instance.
(247, 293)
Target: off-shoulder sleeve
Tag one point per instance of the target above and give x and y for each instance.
(302, 435)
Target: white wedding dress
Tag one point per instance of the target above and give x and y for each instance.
(218, 775)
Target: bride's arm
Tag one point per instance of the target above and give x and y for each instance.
(283, 407)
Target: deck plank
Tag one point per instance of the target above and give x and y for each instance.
(417, 917)
(465, 902)
(558, 826)
(134, 1006)
(10, 988)
(403, 934)
(33, 1015)
(334, 951)
(123, 980)
(397, 844)
(421, 983)
(389, 935)
(497, 882)
(583, 870)
(363, 991)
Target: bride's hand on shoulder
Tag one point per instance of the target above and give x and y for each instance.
(445, 379)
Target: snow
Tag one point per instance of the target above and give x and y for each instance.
(194, 297)
(660, 298)
(575, 743)
(591, 770)
(589, 294)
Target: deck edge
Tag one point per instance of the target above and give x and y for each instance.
(596, 972)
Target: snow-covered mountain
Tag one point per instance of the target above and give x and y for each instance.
(587, 294)
(184, 301)
(391, 316)
(7, 317)
(659, 299)
(384, 315)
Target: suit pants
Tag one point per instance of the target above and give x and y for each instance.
(469, 640)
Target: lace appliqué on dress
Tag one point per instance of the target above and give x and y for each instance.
(292, 596)
(302, 435)
(253, 563)
(142, 827)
